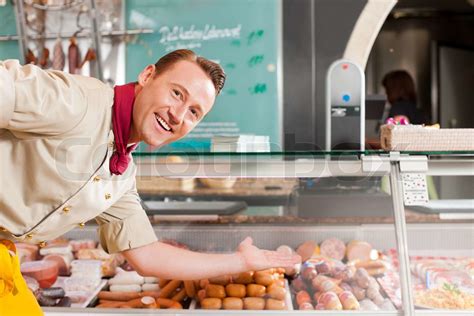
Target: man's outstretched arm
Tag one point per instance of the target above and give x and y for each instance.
(169, 262)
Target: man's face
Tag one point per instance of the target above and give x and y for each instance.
(168, 106)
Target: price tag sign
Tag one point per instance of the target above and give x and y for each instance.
(415, 189)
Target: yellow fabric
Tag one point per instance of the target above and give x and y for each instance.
(15, 297)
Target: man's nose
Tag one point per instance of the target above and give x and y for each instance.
(176, 114)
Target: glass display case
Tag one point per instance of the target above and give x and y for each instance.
(374, 221)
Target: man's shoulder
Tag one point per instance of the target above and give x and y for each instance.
(89, 82)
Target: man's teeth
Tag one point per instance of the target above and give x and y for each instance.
(162, 123)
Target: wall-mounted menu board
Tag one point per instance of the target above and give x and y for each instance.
(243, 36)
(8, 49)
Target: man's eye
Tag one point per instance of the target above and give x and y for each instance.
(195, 113)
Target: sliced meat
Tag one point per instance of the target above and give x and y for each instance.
(333, 248)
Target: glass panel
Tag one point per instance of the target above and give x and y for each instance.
(442, 249)
(342, 226)
(303, 153)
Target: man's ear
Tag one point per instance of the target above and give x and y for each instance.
(146, 75)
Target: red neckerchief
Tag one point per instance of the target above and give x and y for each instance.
(122, 111)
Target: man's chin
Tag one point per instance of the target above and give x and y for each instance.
(155, 144)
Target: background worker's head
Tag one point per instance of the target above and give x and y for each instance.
(399, 86)
(173, 96)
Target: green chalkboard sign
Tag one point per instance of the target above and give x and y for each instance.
(8, 49)
(244, 36)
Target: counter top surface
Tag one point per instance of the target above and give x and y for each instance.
(411, 217)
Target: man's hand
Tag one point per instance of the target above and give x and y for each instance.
(258, 259)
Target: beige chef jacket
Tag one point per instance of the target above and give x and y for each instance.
(56, 140)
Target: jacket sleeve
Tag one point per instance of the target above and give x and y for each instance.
(125, 225)
(33, 100)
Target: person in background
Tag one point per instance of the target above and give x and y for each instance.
(401, 95)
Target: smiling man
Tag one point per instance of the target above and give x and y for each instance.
(65, 158)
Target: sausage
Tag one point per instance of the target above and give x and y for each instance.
(151, 280)
(62, 260)
(316, 296)
(320, 306)
(90, 56)
(201, 294)
(306, 306)
(371, 265)
(244, 278)
(162, 283)
(361, 277)
(149, 302)
(331, 301)
(263, 272)
(349, 301)
(256, 290)
(203, 283)
(221, 280)
(125, 288)
(110, 304)
(280, 270)
(374, 283)
(178, 297)
(374, 294)
(58, 63)
(169, 288)
(302, 297)
(118, 296)
(64, 302)
(358, 250)
(127, 278)
(368, 305)
(215, 291)
(167, 303)
(44, 300)
(44, 61)
(211, 303)
(254, 303)
(264, 279)
(235, 290)
(307, 249)
(298, 284)
(30, 57)
(323, 283)
(324, 267)
(376, 271)
(190, 288)
(386, 305)
(279, 282)
(135, 303)
(333, 248)
(308, 271)
(54, 292)
(74, 56)
(358, 292)
(150, 287)
(276, 292)
(344, 273)
(345, 286)
(271, 304)
(232, 303)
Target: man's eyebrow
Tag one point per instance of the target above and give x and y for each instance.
(187, 95)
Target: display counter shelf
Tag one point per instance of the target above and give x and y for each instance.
(406, 234)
